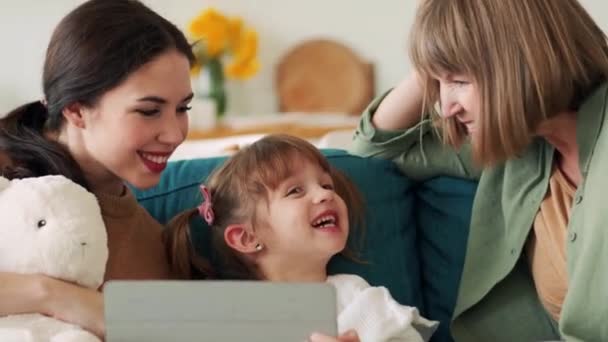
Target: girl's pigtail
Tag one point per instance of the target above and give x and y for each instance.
(183, 258)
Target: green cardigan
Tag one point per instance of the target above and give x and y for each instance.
(497, 300)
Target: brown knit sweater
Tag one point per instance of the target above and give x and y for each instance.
(134, 240)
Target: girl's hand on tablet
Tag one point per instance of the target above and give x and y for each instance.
(349, 336)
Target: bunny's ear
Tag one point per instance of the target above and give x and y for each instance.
(4, 183)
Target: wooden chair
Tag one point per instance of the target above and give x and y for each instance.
(323, 76)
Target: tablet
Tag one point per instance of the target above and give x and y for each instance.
(218, 311)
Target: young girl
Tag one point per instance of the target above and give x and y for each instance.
(278, 211)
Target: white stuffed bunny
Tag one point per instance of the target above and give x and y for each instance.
(50, 225)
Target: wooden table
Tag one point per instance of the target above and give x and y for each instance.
(303, 126)
(301, 131)
(234, 132)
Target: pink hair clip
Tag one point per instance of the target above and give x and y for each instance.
(206, 208)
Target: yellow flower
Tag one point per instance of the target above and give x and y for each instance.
(245, 63)
(247, 47)
(235, 28)
(211, 28)
(195, 70)
(216, 36)
(243, 70)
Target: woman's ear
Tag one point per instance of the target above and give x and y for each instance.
(241, 238)
(74, 114)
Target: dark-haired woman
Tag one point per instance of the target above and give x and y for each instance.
(116, 85)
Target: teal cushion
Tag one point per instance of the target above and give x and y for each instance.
(389, 251)
(443, 212)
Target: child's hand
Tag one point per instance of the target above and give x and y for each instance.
(349, 336)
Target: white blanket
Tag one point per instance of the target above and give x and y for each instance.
(375, 315)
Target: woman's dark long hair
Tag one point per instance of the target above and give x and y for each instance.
(92, 50)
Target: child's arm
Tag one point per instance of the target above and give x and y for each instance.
(24, 293)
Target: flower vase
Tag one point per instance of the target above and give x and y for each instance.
(217, 87)
(209, 103)
(203, 114)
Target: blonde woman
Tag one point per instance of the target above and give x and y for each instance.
(518, 91)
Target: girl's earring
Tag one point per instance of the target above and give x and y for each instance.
(259, 247)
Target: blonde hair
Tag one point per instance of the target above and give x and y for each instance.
(242, 181)
(530, 59)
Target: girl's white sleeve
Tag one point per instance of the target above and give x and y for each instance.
(375, 315)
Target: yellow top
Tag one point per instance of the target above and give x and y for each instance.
(546, 247)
